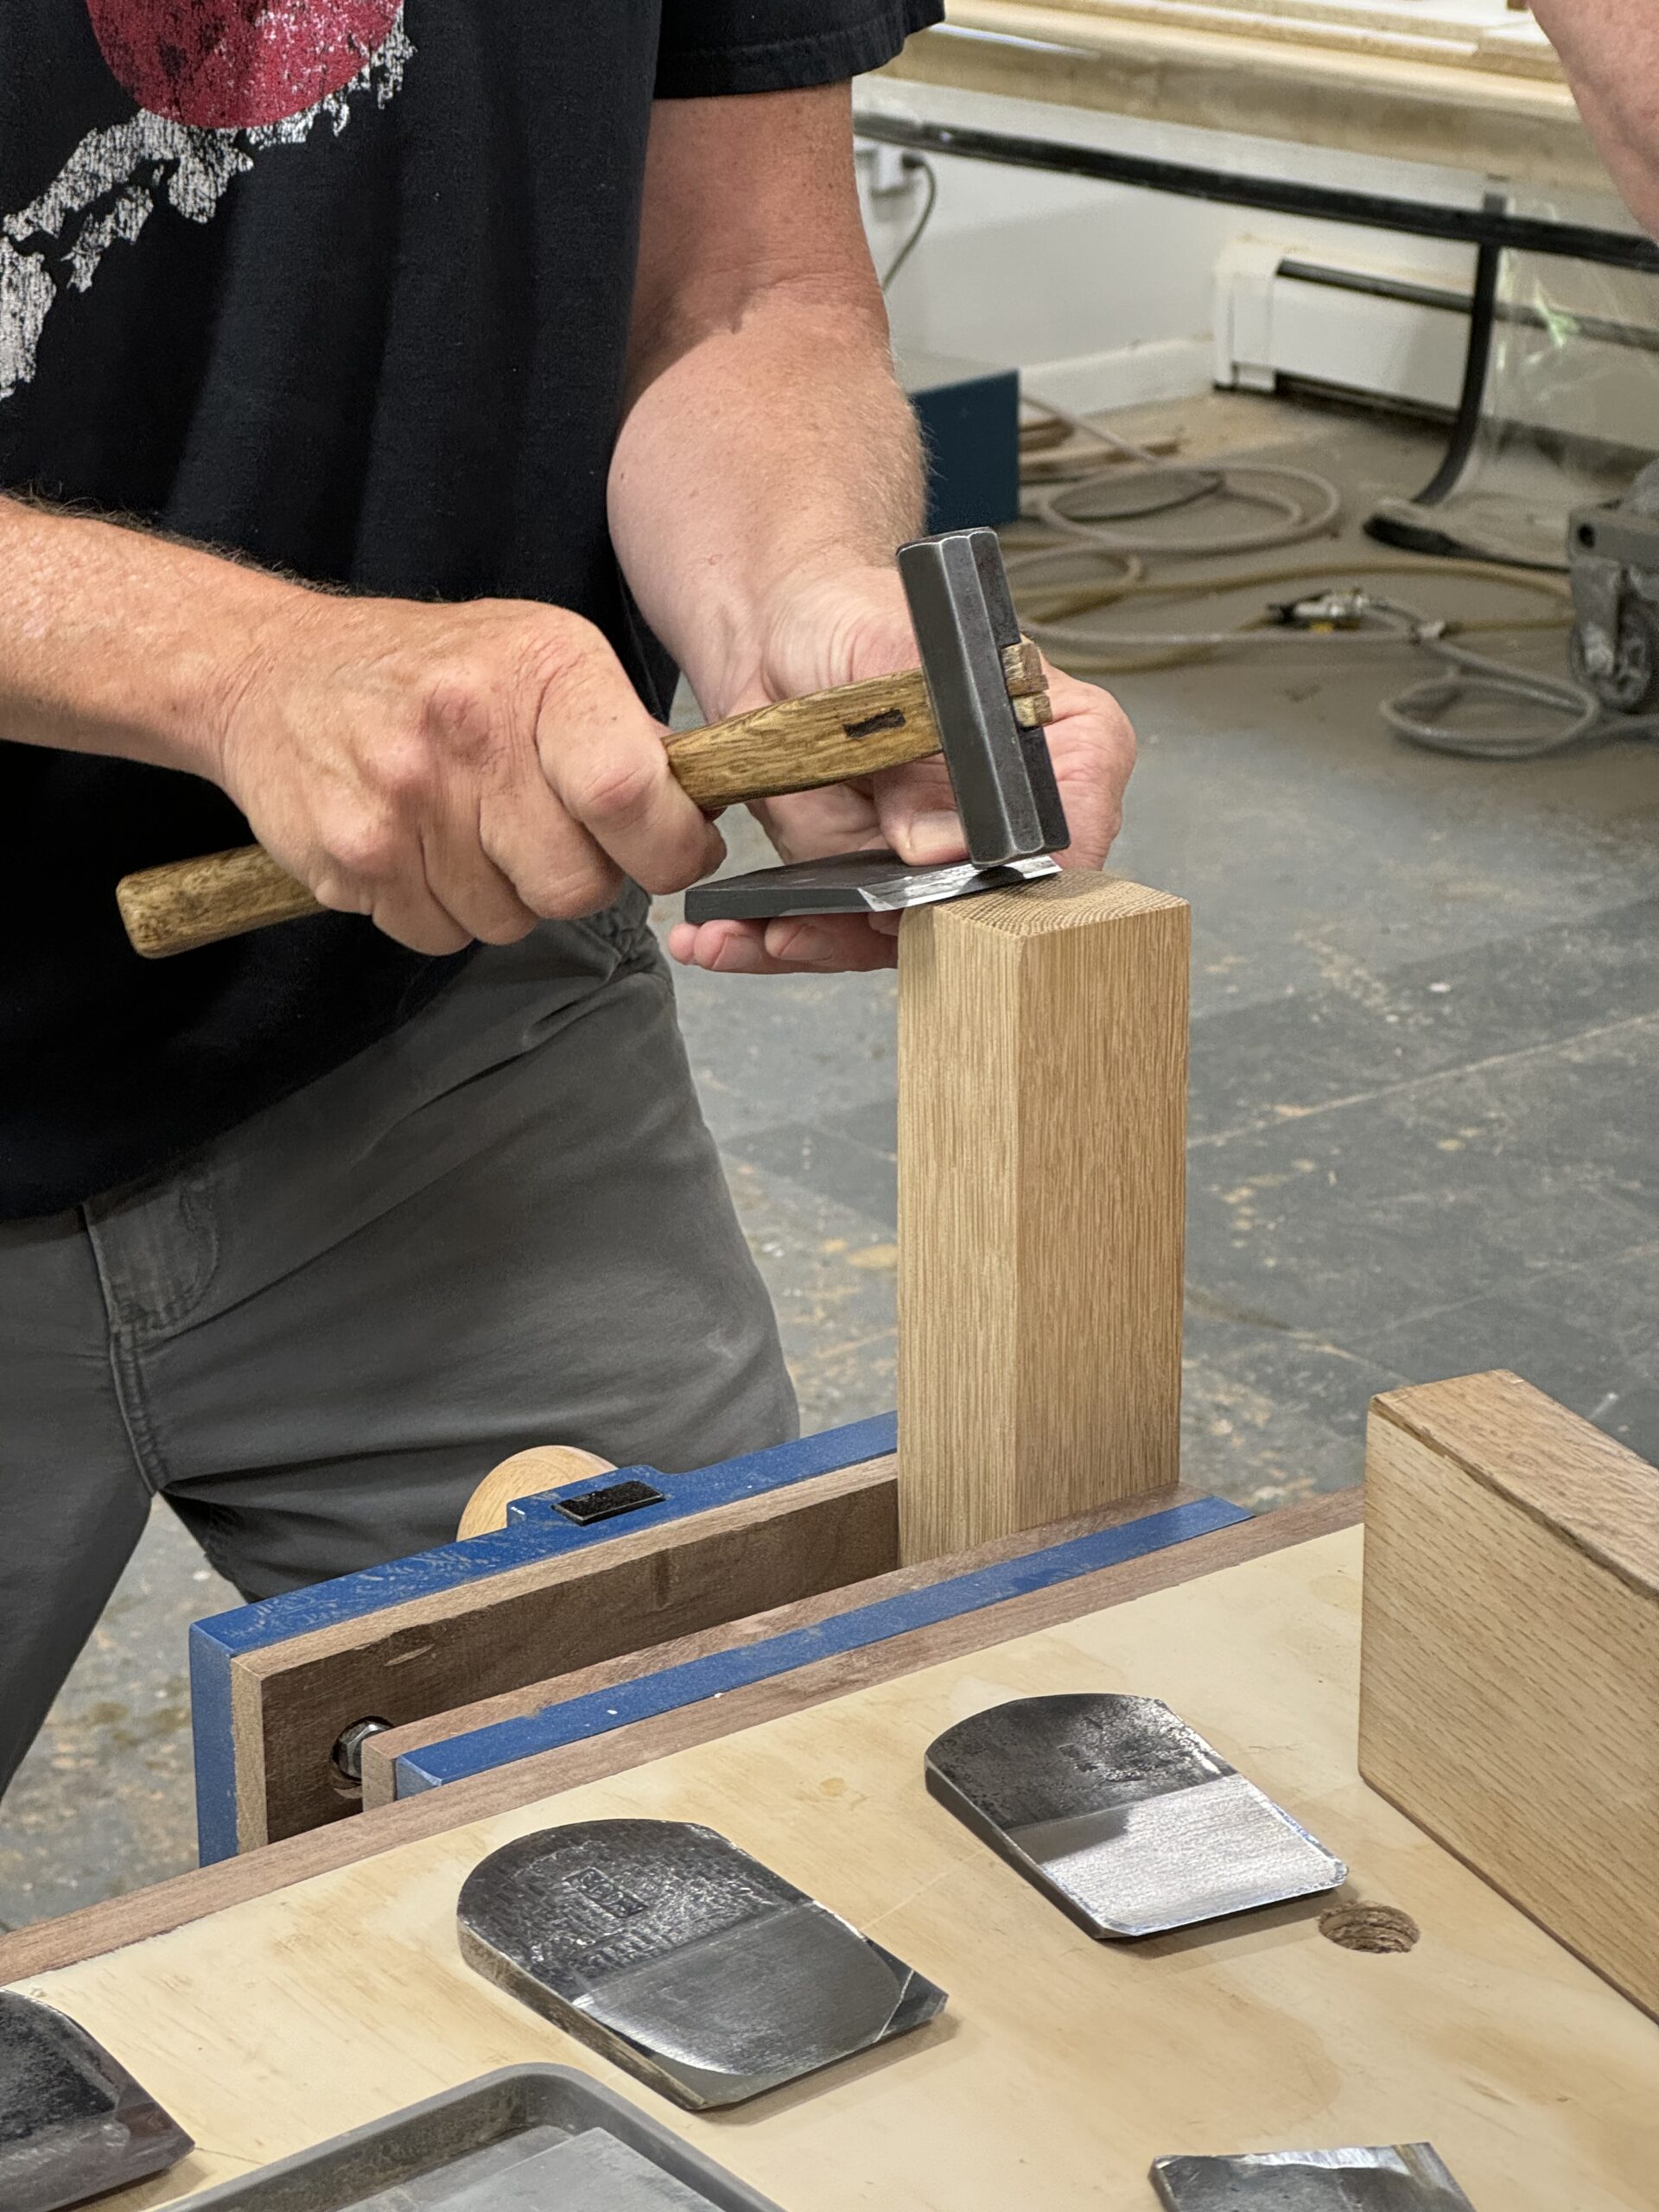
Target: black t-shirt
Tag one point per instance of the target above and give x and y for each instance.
(346, 286)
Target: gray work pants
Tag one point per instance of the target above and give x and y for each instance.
(504, 1225)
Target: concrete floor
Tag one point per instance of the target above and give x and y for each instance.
(1425, 1051)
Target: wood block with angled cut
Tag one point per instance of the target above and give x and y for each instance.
(1511, 1672)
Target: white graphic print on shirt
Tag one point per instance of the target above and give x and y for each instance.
(218, 80)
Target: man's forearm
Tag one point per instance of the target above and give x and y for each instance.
(767, 442)
(765, 456)
(456, 771)
(113, 641)
(1611, 50)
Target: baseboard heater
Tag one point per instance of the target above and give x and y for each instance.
(1397, 334)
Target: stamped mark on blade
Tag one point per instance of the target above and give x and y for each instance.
(682, 1958)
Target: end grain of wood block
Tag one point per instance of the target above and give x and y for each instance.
(1042, 1151)
(1510, 1699)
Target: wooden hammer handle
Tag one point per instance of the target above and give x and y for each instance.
(797, 744)
(189, 903)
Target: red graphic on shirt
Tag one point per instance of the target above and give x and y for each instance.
(230, 65)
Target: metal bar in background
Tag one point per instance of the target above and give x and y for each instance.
(1520, 313)
(1476, 226)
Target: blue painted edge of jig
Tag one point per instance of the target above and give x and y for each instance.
(577, 1718)
(535, 1530)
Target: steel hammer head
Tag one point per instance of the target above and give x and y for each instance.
(1001, 771)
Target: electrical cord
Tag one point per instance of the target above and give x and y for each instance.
(1305, 504)
(1054, 620)
(1415, 715)
(1120, 653)
(912, 163)
(1418, 713)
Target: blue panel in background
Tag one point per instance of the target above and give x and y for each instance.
(597, 1713)
(969, 414)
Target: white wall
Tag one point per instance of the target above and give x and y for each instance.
(1101, 294)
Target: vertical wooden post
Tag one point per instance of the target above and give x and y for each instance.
(1042, 1140)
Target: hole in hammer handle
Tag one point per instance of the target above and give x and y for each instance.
(876, 725)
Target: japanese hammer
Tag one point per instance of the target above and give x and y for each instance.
(978, 698)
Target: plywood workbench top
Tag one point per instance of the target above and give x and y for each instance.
(1062, 2067)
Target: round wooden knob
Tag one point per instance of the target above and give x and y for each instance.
(548, 1466)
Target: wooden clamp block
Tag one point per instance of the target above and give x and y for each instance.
(1042, 1155)
(1510, 1684)
(274, 1686)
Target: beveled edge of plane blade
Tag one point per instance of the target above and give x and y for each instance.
(934, 886)
(919, 1999)
(1437, 2188)
(517, 1981)
(955, 1800)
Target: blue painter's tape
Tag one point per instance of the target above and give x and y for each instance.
(534, 1531)
(595, 1715)
(212, 1741)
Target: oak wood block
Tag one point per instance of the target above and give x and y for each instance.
(1042, 1137)
(1511, 1682)
(290, 1701)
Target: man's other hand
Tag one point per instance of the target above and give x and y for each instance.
(838, 631)
(454, 772)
